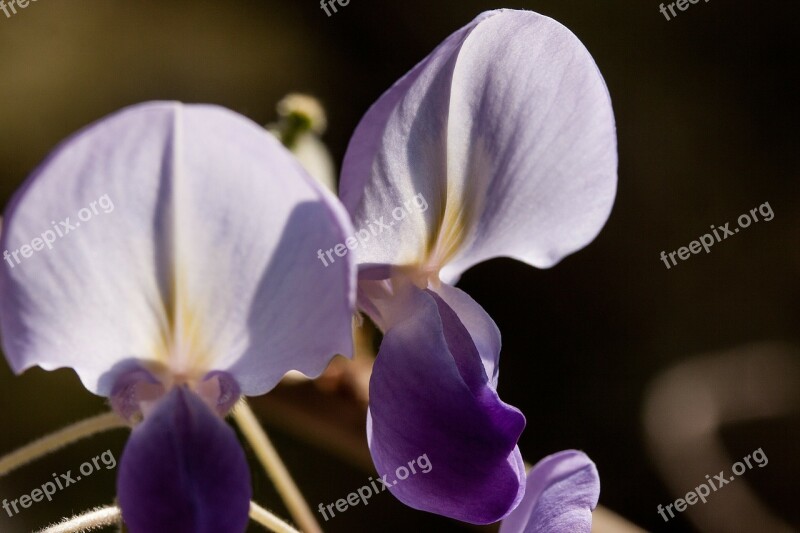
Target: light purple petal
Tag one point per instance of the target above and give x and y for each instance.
(482, 329)
(183, 471)
(206, 259)
(430, 396)
(395, 155)
(561, 493)
(133, 389)
(507, 131)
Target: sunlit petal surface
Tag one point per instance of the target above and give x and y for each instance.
(197, 253)
(507, 130)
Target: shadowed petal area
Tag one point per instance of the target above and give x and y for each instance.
(429, 395)
(507, 130)
(562, 491)
(479, 324)
(183, 471)
(193, 246)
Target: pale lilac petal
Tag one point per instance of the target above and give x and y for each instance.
(206, 262)
(316, 159)
(397, 152)
(508, 132)
(430, 396)
(561, 493)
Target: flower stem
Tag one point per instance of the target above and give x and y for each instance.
(96, 518)
(275, 468)
(59, 439)
(269, 520)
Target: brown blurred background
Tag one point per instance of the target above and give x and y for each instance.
(707, 114)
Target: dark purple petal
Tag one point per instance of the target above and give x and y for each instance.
(430, 396)
(183, 471)
(561, 493)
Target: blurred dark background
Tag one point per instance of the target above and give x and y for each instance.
(707, 114)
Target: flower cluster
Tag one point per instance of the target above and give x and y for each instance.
(200, 289)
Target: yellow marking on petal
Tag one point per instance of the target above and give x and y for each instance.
(452, 232)
(191, 348)
(182, 346)
(446, 237)
(463, 198)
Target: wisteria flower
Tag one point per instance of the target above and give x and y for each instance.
(193, 289)
(506, 132)
(561, 492)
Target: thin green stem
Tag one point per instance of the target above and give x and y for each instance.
(265, 518)
(275, 468)
(59, 439)
(98, 517)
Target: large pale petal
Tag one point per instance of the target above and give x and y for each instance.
(183, 471)
(398, 152)
(207, 261)
(431, 402)
(507, 130)
(561, 493)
